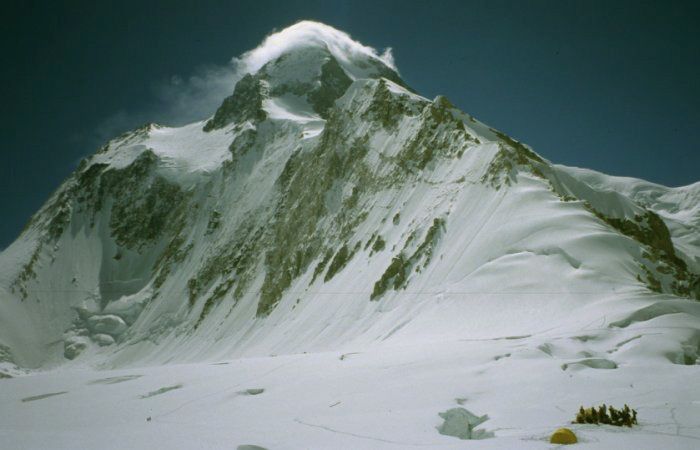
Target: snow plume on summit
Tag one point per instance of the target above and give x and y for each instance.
(313, 34)
(181, 99)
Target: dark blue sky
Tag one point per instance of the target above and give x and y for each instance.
(608, 85)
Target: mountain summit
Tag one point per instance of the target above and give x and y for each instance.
(327, 204)
(300, 71)
(356, 59)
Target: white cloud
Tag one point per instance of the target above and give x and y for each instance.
(182, 101)
(177, 101)
(388, 58)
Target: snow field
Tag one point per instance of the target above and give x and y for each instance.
(385, 397)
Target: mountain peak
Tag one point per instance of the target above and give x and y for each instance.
(358, 60)
(308, 65)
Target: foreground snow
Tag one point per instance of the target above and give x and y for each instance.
(384, 397)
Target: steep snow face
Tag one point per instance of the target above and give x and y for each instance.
(326, 205)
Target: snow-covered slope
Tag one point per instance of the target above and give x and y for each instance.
(327, 209)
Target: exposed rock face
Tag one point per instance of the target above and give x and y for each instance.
(333, 82)
(244, 104)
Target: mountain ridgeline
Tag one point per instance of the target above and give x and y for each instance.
(315, 197)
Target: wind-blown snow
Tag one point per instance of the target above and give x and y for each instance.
(308, 33)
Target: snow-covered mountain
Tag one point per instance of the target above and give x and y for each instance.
(328, 207)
